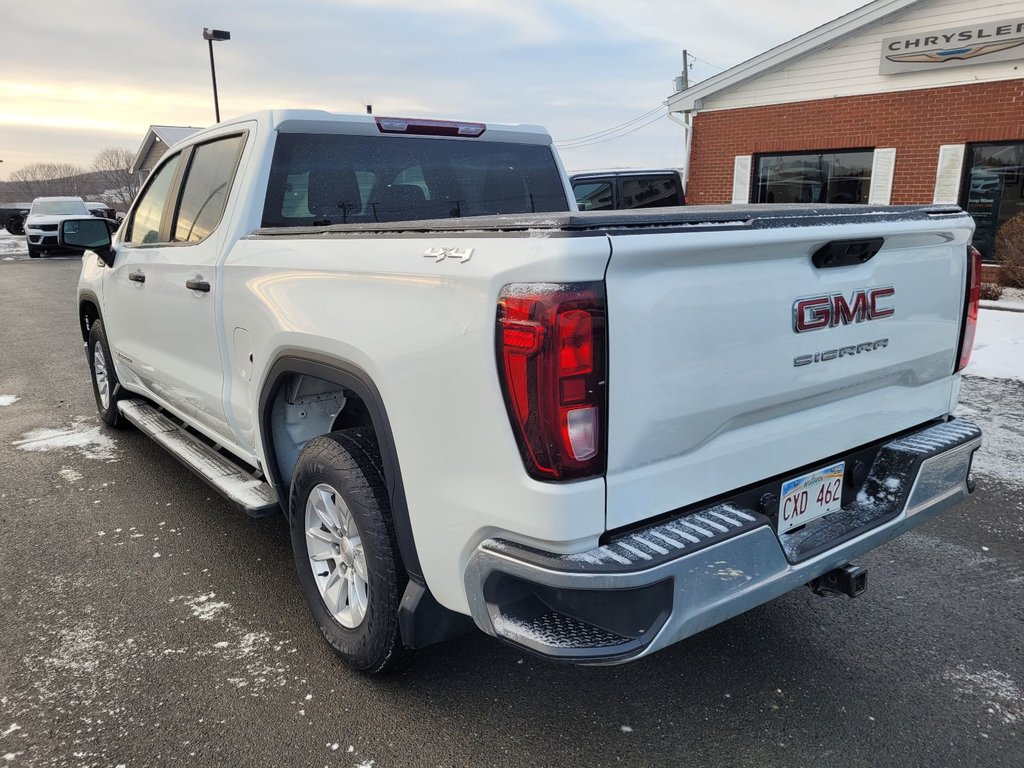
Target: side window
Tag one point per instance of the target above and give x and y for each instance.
(205, 191)
(144, 227)
(649, 192)
(593, 195)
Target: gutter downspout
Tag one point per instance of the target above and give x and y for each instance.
(686, 121)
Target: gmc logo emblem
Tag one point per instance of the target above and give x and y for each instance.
(828, 311)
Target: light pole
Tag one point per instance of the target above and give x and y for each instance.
(209, 35)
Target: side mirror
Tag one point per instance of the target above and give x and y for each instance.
(89, 234)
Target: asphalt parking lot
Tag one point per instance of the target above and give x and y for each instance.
(145, 622)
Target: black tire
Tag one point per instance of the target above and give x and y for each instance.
(349, 462)
(34, 253)
(108, 412)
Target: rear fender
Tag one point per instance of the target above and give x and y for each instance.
(357, 381)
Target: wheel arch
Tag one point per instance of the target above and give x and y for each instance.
(88, 312)
(356, 380)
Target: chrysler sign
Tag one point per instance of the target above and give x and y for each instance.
(969, 44)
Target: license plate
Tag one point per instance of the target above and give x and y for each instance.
(810, 496)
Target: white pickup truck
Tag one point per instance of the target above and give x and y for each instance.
(593, 433)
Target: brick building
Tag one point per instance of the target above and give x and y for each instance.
(900, 101)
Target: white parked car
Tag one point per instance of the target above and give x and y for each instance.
(44, 217)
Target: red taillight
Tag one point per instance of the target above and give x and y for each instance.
(551, 360)
(971, 303)
(430, 127)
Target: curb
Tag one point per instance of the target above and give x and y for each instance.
(986, 304)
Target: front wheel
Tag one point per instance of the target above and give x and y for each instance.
(34, 253)
(105, 385)
(345, 548)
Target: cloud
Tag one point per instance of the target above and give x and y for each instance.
(575, 66)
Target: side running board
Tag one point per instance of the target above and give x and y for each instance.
(253, 495)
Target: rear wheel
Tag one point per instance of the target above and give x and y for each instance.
(105, 385)
(345, 548)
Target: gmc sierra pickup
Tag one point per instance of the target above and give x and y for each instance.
(590, 434)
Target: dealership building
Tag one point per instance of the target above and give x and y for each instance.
(897, 102)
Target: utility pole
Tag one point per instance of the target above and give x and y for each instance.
(682, 82)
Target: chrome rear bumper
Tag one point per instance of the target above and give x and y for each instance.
(657, 585)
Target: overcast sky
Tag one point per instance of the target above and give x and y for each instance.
(77, 77)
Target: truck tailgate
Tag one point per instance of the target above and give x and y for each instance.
(711, 387)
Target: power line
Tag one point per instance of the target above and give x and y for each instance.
(613, 129)
(581, 144)
(705, 61)
(578, 145)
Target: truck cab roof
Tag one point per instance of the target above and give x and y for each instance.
(321, 121)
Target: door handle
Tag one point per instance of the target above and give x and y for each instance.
(137, 277)
(198, 285)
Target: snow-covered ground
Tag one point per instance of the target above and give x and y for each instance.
(992, 394)
(998, 346)
(12, 245)
(1012, 298)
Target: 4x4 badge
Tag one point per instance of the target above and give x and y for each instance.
(440, 254)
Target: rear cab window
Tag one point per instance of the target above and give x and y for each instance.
(324, 179)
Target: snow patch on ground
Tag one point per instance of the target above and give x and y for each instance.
(998, 346)
(998, 691)
(71, 475)
(78, 652)
(8, 400)
(204, 608)
(997, 406)
(80, 662)
(90, 442)
(12, 245)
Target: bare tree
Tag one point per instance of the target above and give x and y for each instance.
(113, 167)
(49, 179)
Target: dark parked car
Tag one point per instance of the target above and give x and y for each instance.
(615, 189)
(12, 217)
(102, 211)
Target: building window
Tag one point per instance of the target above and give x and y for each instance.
(993, 191)
(814, 177)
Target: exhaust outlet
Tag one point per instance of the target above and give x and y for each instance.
(850, 580)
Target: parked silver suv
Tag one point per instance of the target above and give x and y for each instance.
(43, 219)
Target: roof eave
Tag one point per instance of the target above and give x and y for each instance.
(147, 144)
(820, 37)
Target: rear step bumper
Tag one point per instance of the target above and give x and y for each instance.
(251, 494)
(652, 587)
